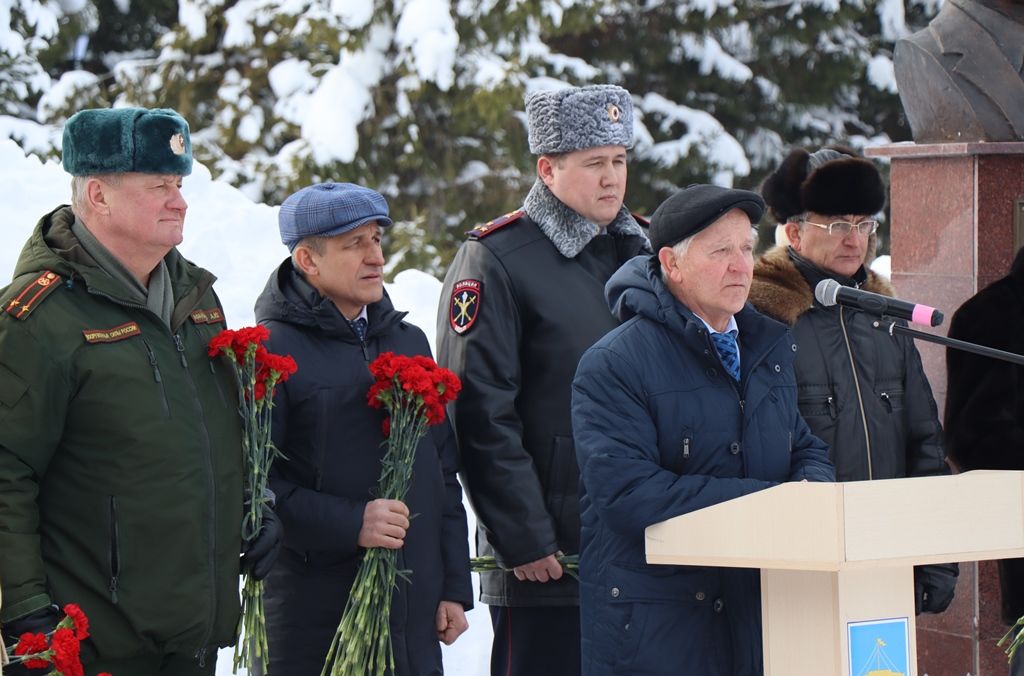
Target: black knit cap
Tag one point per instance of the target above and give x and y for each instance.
(694, 208)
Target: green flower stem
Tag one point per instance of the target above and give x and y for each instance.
(258, 453)
(485, 564)
(362, 643)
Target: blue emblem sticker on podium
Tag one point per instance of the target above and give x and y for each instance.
(879, 647)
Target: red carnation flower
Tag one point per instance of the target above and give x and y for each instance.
(79, 621)
(32, 644)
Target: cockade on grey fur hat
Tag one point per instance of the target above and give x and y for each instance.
(563, 120)
(121, 140)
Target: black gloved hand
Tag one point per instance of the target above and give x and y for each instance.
(934, 586)
(42, 621)
(259, 555)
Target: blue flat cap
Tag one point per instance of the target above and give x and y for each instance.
(694, 208)
(120, 140)
(329, 209)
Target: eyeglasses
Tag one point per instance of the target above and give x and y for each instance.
(844, 228)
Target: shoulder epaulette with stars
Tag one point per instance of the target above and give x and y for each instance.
(495, 225)
(22, 305)
(642, 220)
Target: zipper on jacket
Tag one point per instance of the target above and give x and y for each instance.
(180, 347)
(856, 386)
(200, 654)
(212, 490)
(830, 405)
(885, 400)
(157, 377)
(686, 448)
(115, 553)
(216, 381)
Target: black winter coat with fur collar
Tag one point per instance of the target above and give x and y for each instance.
(861, 390)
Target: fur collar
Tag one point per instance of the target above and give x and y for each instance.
(566, 229)
(781, 292)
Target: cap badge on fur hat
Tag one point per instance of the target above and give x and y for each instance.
(121, 140)
(576, 118)
(178, 144)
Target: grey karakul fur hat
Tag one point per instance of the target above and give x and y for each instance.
(832, 181)
(563, 120)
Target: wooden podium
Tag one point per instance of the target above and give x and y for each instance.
(837, 560)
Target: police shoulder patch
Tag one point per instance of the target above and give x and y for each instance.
(464, 308)
(22, 305)
(495, 225)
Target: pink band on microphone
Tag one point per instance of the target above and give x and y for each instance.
(922, 315)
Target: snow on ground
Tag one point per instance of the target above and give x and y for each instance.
(238, 241)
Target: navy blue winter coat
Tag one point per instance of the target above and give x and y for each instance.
(662, 430)
(331, 440)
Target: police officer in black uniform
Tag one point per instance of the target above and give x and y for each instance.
(522, 301)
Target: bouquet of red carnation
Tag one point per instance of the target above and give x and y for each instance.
(57, 651)
(259, 372)
(414, 390)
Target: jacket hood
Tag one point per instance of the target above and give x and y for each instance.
(782, 292)
(288, 298)
(636, 289)
(53, 246)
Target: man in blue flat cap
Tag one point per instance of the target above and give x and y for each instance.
(326, 306)
(120, 444)
(688, 403)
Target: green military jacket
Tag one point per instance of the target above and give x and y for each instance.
(120, 454)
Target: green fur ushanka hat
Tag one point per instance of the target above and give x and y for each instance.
(121, 140)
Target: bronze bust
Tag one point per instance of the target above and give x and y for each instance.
(962, 77)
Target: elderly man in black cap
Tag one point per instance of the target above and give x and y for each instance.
(522, 300)
(120, 443)
(861, 390)
(690, 402)
(325, 305)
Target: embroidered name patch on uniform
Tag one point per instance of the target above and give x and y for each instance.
(465, 305)
(112, 335)
(213, 316)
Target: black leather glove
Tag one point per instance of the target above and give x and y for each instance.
(42, 621)
(934, 586)
(259, 555)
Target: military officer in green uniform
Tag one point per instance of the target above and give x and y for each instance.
(120, 442)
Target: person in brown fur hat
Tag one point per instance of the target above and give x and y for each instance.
(861, 390)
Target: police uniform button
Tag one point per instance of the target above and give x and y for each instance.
(793, 347)
(699, 596)
(719, 605)
(734, 447)
(615, 592)
(711, 373)
(778, 369)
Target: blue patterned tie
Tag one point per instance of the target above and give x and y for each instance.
(725, 343)
(359, 326)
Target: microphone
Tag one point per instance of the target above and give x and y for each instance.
(830, 292)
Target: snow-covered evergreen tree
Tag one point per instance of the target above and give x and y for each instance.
(423, 99)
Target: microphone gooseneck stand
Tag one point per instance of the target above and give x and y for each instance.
(891, 327)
